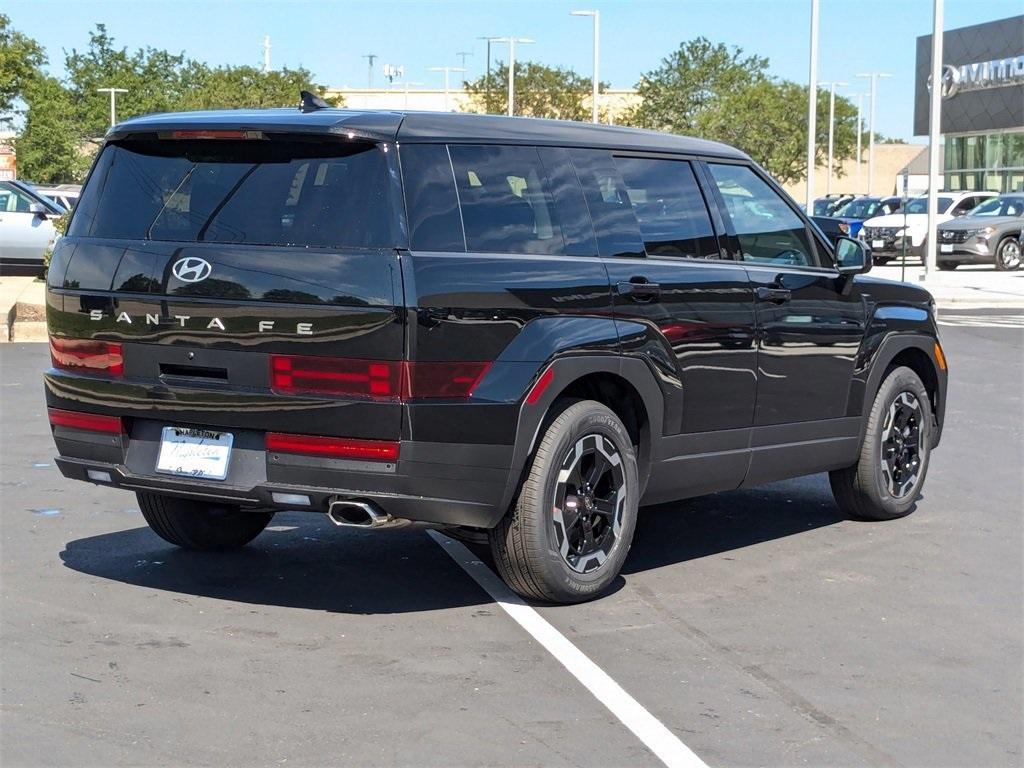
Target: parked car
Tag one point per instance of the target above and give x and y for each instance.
(26, 229)
(515, 328)
(888, 234)
(847, 220)
(828, 205)
(989, 234)
(65, 195)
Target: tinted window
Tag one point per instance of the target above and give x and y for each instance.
(769, 230)
(506, 206)
(256, 192)
(920, 205)
(611, 212)
(430, 199)
(669, 207)
(570, 205)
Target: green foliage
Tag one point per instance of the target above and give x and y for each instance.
(60, 223)
(715, 92)
(49, 149)
(20, 60)
(540, 91)
(239, 87)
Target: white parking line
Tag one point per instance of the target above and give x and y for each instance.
(982, 321)
(655, 736)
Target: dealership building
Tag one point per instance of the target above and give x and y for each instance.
(982, 104)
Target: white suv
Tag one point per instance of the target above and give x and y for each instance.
(886, 234)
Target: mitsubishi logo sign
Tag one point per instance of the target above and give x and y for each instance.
(191, 269)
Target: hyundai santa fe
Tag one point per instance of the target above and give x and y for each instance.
(515, 329)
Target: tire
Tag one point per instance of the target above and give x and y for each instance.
(948, 266)
(540, 551)
(1008, 254)
(199, 524)
(866, 491)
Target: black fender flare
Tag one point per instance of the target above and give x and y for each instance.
(566, 370)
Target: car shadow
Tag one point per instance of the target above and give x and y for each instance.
(302, 561)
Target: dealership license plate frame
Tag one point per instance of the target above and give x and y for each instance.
(202, 454)
(875, 244)
(944, 248)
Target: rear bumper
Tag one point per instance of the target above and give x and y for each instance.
(437, 483)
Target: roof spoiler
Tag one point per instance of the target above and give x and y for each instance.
(311, 102)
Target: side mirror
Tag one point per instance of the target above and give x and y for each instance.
(852, 256)
(38, 209)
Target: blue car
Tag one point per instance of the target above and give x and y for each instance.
(847, 220)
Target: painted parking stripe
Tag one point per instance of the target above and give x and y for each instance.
(982, 321)
(654, 735)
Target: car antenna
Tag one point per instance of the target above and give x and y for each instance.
(311, 102)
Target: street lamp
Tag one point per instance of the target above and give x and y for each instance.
(487, 81)
(597, 47)
(871, 126)
(860, 137)
(512, 66)
(831, 128)
(446, 71)
(113, 97)
(934, 126)
(812, 106)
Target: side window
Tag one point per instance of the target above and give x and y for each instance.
(570, 205)
(506, 206)
(615, 225)
(769, 231)
(430, 198)
(14, 200)
(669, 207)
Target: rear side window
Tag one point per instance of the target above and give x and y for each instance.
(506, 205)
(259, 192)
(430, 198)
(611, 212)
(769, 230)
(669, 207)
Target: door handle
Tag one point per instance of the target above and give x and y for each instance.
(639, 289)
(774, 295)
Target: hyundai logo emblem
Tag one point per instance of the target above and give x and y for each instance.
(191, 269)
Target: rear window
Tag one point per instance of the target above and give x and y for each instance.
(258, 192)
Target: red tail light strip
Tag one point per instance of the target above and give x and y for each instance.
(87, 356)
(374, 379)
(90, 422)
(542, 384)
(333, 447)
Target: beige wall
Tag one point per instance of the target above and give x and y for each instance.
(890, 159)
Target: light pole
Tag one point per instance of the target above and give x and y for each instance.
(831, 128)
(463, 55)
(597, 48)
(487, 80)
(860, 136)
(113, 99)
(871, 126)
(812, 106)
(512, 66)
(405, 85)
(446, 70)
(370, 58)
(266, 54)
(934, 126)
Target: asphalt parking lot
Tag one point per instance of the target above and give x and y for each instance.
(759, 627)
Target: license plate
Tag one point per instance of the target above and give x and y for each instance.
(878, 243)
(194, 453)
(946, 248)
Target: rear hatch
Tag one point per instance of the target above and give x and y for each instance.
(247, 282)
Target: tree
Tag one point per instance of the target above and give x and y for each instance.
(716, 92)
(49, 148)
(540, 91)
(20, 60)
(239, 87)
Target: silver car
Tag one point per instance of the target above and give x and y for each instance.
(989, 234)
(25, 229)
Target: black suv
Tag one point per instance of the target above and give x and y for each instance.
(523, 329)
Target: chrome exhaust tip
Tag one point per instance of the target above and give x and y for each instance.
(359, 514)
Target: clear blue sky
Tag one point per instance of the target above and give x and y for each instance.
(329, 37)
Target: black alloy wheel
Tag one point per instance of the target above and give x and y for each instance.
(901, 445)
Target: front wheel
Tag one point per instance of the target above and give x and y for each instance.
(201, 525)
(1008, 254)
(886, 480)
(568, 533)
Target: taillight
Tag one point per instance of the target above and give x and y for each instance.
(87, 356)
(212, 134)
(91, 422)
(333, 447)
(374, 379)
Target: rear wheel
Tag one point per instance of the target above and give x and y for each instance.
(199, 524)
(568, 533)
(1008, 254)
(887, 479)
